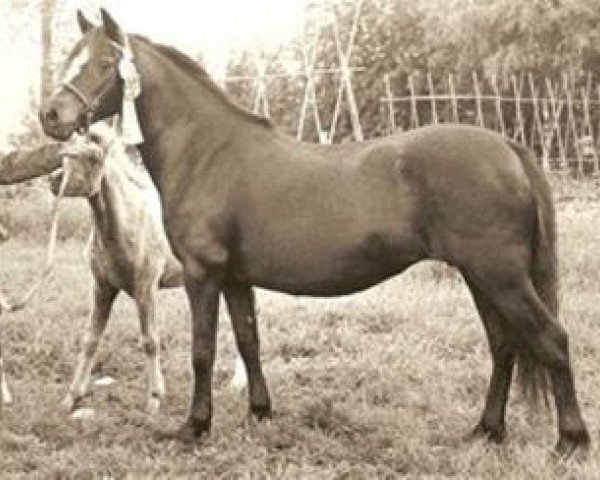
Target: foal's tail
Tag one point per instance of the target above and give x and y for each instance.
(544, 268)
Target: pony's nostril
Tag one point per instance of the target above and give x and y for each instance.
(52, 116)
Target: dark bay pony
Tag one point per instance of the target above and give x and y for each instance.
(245, 205)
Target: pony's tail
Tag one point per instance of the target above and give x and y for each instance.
(532, 375)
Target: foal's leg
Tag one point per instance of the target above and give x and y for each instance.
(502, 346)
(103, 298)
(239, 380)
(515, 296)
(151, 344)
(240, 302)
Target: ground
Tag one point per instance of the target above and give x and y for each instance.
(382, 384)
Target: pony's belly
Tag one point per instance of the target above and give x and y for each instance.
(327, 270)
(323, 287)
(320, 283)
(105, 268)
(126, 268)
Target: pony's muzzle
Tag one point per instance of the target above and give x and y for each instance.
(61, 115)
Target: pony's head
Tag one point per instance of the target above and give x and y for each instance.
(91, 87)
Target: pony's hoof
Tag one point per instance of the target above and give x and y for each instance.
(189, 432)
(569, 443)
(261, 412)
(495, 434)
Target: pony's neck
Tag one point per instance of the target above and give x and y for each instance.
(107, 206)
(172, 98)
(182, 113)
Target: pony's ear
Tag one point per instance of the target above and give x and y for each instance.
(111, 28)
(84, 24)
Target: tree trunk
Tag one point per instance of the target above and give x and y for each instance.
(48, 7)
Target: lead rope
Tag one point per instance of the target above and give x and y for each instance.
(5, 304)
(7, 436)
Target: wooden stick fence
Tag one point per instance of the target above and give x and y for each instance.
(556, 119)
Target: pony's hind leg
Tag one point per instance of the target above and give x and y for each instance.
(103, 297)
(151, 346)
(240, 302)
(502, 346)
(545, 343)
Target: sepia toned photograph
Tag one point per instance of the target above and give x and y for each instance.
(299, 239)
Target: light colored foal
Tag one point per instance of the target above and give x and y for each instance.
(128, 250)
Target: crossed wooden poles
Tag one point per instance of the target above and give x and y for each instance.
(310, 73)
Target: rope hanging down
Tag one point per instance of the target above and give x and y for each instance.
(5, 304)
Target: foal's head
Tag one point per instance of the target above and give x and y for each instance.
(84, 159)
(91, 87)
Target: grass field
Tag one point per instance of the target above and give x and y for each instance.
(382, 384)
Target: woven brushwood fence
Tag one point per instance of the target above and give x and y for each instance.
(558, 119)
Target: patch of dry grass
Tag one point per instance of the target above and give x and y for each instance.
(382, 384)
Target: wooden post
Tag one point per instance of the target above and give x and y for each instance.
(517, 88)
(478, 107)
(390, 102)
(47, 13)
(345, 81)
(556, 107)
(453, 100)
(597, 144)
(498, 104)
(434, 116)
(261, 100)
(598, 100)
(414, 114)
(547, 129)
(588, 130)
(538, 126)
(572, 124)
(310, 94)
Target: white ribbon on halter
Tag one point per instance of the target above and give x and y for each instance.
(130, 131)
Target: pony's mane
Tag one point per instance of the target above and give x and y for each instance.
(198, 73)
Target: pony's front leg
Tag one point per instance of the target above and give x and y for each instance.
(240, 302)
(103, 297)
(203, 296)
(151, 345)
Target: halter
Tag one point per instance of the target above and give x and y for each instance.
(91, 105)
